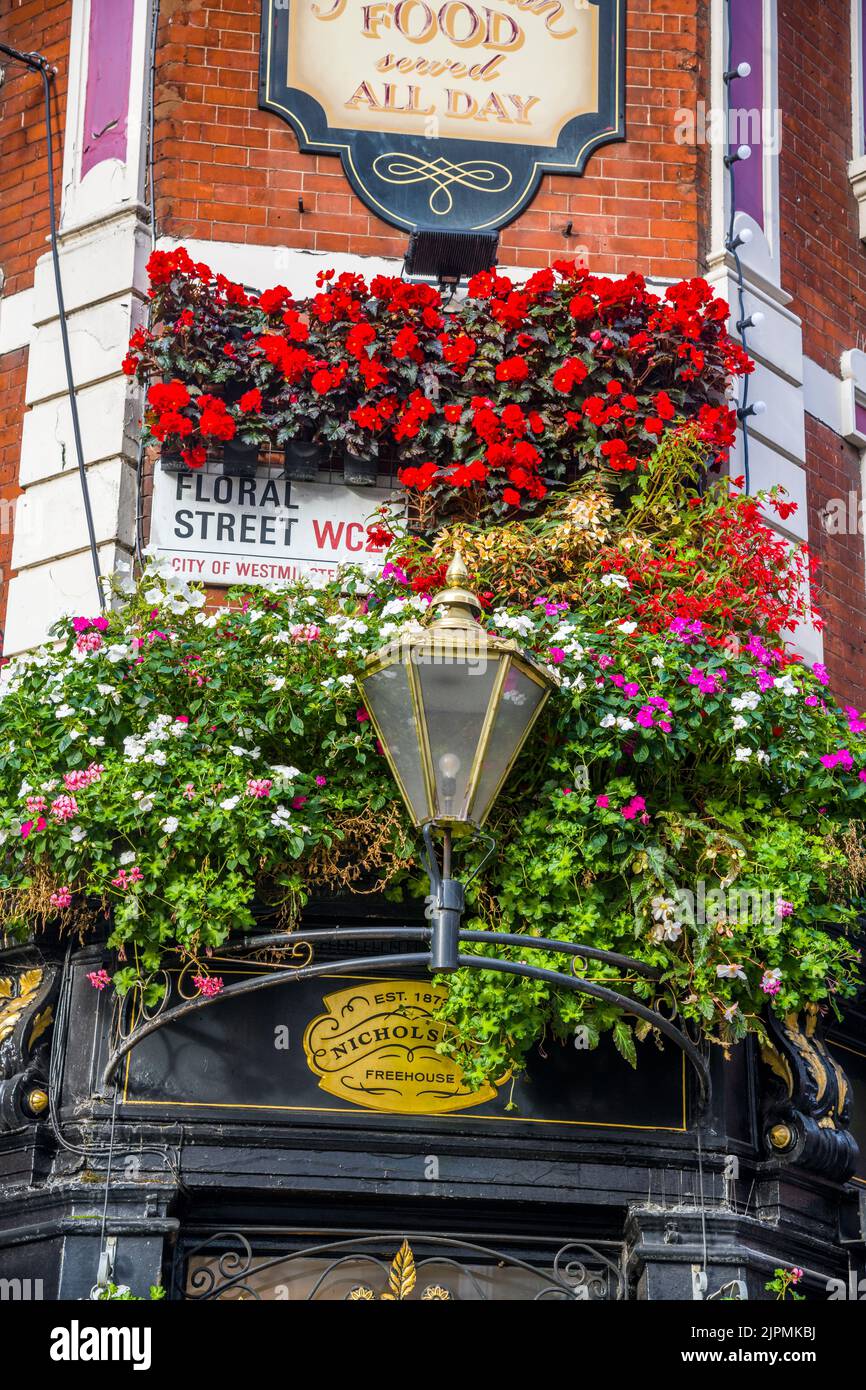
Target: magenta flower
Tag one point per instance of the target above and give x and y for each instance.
(783, 907)
(631, 688)
(361, 715)
(821, 673)
(321, 781)
(392, 571)
(298, 802)
(30, 827)
(62, 898)
(208, 985)
(644, 717)
(602, 802)
(632, 808)
(557, 655)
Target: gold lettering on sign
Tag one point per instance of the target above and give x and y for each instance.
(512, 70)
(376, 1046)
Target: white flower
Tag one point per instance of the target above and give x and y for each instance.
(345, 680)
(739, 722)
(133, 748)
(78, 834)
(63, 712)
(750, 700)
(627, 628)
(238, 751)
(128, 857)
(275, 682)
(762, 756)
(625, 724)
(730, 972)
(25, 789)
(288, 774)
(117, 651)
(170, 824)
(657, 661)
(281, 817)
(608, 721)
(145, 801)
(230, 803)
(786, 684)
(158, 758)
(618, 579)
(742, 754)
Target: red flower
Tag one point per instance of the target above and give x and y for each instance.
(321, 381)
(420, 478)
(582, 306)
(512, 497)
(168, 395)
(194, 458)
(215, 421)
(512, 369)
(251, 401)
(453, 413)
(273, 300)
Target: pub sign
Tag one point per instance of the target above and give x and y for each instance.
(446, 113)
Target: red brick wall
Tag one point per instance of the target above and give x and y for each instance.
(823, 259)
(32, 26)
(834, 474)
(227, 171)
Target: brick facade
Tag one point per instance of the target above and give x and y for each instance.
(229, 172)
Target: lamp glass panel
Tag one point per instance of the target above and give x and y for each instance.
(455, 695)
(520, 699)
(389, 697)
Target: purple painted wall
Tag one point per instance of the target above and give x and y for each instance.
(109, 63)
(863, 74)
(746, 94)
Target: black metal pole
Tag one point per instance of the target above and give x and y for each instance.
(447, 912)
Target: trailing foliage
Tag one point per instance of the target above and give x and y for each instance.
(690, 798)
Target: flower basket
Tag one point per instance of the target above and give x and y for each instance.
(303, 459)
(240, 460)
(359, 471)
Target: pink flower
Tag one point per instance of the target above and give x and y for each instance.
(632, 808)
(821, 673)
(36, 805)
(189, 791)
(783, 907)
(208, 985)
(304, 632)
(361, 715)
(88, 642)
(566, 791)
(557, 655)
(644, 717)
(259, 787)
(81, 624)
(99, 978)
(796, 1274)
(321, 781)
(80, 778)
(298, 802)
(631, 688)
(30, 827)
(391, 571)
(771, 982)
(602, 802)
(181, 719)
(64, 808)
(62, 898)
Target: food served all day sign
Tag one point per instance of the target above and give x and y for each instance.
(224, 530)
(447, 112)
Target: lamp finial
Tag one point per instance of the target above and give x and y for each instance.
(460, 605)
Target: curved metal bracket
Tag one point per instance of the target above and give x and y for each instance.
(424, 959)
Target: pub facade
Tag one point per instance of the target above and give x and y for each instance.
(301, 1131)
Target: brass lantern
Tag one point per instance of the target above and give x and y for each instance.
(453, 707)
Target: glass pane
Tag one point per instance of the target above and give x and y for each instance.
(520, 699)
(455, 694)
(390, 700)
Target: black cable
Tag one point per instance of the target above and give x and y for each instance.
(37, 63)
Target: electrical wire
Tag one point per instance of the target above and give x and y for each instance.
(36, 62)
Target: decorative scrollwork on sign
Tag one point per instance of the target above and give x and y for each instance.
(807, 1101)
(477, 175)
(26, 1016)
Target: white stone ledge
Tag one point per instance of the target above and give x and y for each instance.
(50, 519)
(62, 588)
